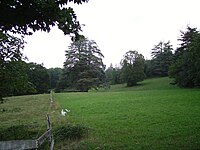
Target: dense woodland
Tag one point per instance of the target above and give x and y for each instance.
(83, 69)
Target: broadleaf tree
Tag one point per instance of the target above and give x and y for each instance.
(113, 75)
(133, 68)
(13, 79)
(83, 68)
(54, 75)
(38, 76)
(27, 16)
(10, 57)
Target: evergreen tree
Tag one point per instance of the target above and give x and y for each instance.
(83, 68)
(162, 58)
(186, 67)
(132, 68)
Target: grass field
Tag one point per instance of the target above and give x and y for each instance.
(152, 115)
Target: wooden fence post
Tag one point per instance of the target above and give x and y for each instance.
(51, 140)
(30, 144)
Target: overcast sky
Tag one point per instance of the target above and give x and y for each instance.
(118, 26)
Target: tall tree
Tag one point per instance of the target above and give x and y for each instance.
(161, 58)
(133, 68)
(84, 68)
(186, 67)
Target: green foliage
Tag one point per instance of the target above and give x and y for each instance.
(13, 79)
(113, 75)
(38, 76)
(83, 68)
(148, 68)
(54, 74)
(133, 68)
(186, 67)
(26, 17)
(10, 48)
(21, 78)
(162, 59)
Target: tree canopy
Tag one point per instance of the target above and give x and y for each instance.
(186, 67)
(132, 68)
(38, 77)
(11, 67)
(21, 78)
(83, 68)
(54, 75)
(28, 16)
(10, 48)
(161, 58)
(13, 79)
(113, 75)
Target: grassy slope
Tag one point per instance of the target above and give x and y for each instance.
(153, 115)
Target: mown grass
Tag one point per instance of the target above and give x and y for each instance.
(152, 115)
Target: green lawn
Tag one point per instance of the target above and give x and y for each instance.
(152, 115)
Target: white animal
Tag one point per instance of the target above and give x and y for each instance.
(67, 110)
(64, 112)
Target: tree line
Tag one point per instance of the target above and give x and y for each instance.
(182, 64)
(83, 68)
(21, 78)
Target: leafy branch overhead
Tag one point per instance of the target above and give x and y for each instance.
(10, 48)
(28, 16)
